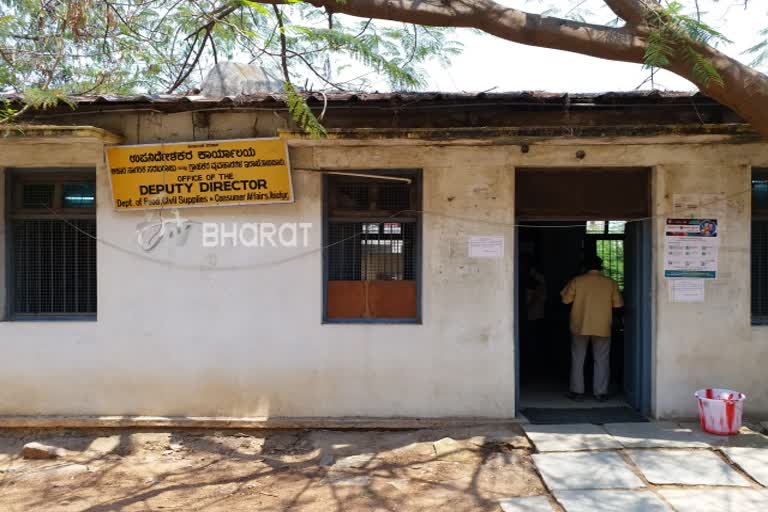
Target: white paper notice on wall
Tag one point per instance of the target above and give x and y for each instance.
(486, 247)
(711, 205)
(714, 206)
(686, 205)
(686, 290)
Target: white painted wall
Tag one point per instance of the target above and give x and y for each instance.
(181, 339)
(229, 332)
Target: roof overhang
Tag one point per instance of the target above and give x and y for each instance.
(559, 135)
(60, 133)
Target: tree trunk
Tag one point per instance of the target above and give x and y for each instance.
(745, 90)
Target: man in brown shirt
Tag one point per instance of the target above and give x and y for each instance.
(594, 297)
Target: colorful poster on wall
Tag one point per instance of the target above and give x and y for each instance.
(691, 248)
(209, 173)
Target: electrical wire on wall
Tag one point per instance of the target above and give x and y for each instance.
(203, 267)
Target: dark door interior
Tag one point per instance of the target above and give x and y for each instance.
(591, 198)
(554, 252)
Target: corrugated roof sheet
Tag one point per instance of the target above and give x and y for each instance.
(533, 97)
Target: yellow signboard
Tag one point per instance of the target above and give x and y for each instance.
(209, 173)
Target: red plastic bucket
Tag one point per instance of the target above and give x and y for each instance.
(720, 410)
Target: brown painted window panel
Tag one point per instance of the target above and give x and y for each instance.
(583, 193)
(372, 299)
(346, 299)
(392, 299)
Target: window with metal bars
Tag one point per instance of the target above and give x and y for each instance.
(52, 245)
(759, 252)
(608, 239)
(371, 256)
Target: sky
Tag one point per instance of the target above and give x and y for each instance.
(489, 63)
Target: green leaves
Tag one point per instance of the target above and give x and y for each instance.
(676, 34)
(659, 50)
(55, 48)
(693, 27)
(760, 50)
(704, 72)
(371, 50)
(256, 6)
(45, 98)
(302, 114)
(7, 112)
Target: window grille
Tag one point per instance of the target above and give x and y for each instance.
(37, 195)
(759, 252)
(371, 251)
(394, 197)
(612, 254)
(372, 245)
(608, 236)
(52, 244)
(603, 227)
(352, 196)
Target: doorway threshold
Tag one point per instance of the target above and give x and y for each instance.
(558, 400)
(570, 415)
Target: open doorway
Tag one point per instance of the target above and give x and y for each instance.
(556, 236)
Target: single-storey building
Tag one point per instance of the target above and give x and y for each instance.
(421, 216)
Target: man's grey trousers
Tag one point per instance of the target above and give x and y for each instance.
(601, 353)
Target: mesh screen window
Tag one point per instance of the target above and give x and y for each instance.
(609, 246)
(52, 228)
(759, 252)
(612, 254)
(372, 248)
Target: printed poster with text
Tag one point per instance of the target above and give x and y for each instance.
(691, 249)
(209, 173)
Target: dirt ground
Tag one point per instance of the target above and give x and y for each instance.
(464, 469)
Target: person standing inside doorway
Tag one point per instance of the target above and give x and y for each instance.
(593, 297)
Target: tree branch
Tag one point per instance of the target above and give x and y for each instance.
(215, 17)
(507, 23)
(631, 11)
(283, 45)
(745, 90)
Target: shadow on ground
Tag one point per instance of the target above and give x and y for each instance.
(462, 469)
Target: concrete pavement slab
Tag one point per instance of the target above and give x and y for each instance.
(686, 467)
(716, 500)
(754, 461)
(610, 501)
(746, 437)
(570, 438)
(586, 470)
(529, 504)
(654, 435)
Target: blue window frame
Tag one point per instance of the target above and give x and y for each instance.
(372, 247)
(759, 250)
(51, 256)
